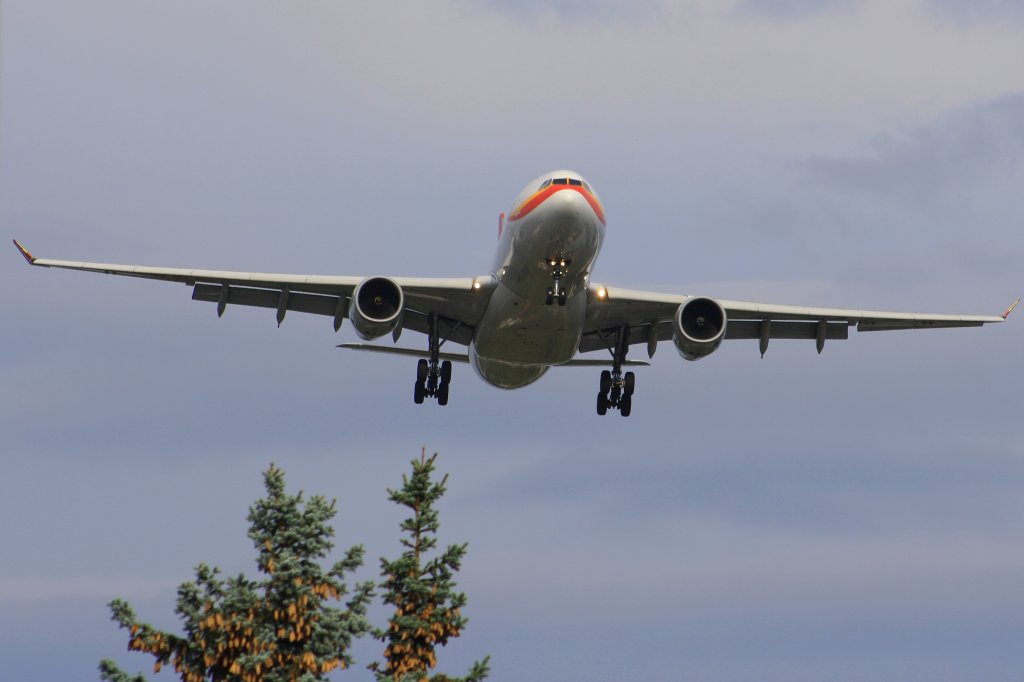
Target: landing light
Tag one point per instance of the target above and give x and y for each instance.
(476, 284)
(602, 293)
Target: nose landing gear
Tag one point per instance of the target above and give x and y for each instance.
(558, 267)
(616, 388)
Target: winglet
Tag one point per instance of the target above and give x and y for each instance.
(24, 252)
(1010, 309)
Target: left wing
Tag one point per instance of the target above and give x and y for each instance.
(457, 303)
(649, 317)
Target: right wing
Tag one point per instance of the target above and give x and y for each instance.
(649, 317)
(457, 303)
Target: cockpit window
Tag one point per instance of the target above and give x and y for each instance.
(572, 182)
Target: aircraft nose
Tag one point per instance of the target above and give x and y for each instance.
(568, 203)
(576, 205)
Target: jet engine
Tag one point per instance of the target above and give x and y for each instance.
(376, 307)
(698, 327)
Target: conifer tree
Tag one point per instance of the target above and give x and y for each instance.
(276, 629)
(422, 589)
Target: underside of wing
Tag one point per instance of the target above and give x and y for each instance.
(455, 305)
(650, 317)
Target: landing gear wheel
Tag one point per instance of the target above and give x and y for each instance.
(432, 375)
(549, 297)
(561, 297)
(617, 388)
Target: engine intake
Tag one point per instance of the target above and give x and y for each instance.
(376, 308)
(698, 327)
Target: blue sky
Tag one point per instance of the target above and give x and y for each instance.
(852, 516)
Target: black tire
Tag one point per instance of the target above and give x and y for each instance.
(562, 297)
(442, 395)
(549, 297)
(606, 381)
(418, 393)
(446, 372)
(626, 405)
(421, 371)
(602, 403)
(630, 384)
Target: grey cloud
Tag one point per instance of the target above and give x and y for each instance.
(965, 150)
(792, 9)
(942, 199)
(577, 11)
(980, 10)
(854, 487)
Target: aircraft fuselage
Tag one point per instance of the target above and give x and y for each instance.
(556, 219)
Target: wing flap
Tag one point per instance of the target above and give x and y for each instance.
(750, 329)
(736, 329)
(316, 304)
(863, 318)
(891, 325)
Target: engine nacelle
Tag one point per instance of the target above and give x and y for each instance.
(698, 327)
(376, 307)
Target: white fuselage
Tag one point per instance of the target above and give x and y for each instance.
(520, 336)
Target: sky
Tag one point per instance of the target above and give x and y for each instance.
(853, 516)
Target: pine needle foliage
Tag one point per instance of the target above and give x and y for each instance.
(428, 610)
(279, 628)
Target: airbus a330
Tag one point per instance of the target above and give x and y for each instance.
(538, 307)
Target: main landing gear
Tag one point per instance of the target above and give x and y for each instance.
(432, 377)
(617, 388)
(432, 380)
(556, 292)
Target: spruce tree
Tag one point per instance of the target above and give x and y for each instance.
(428, 610)
(276, 629)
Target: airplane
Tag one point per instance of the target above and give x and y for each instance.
(537, 308)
